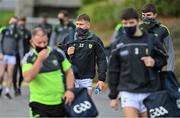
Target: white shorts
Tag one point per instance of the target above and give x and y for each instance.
(8, 59)
(86, 83)
(134, 100)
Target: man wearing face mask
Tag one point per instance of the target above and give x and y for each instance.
(8, 49)
(131, 61)
(85, 50)
(151, 25)
(24, 46)
(25, 35)
(61, 30)
(43, 70)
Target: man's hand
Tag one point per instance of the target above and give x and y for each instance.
(148, 61)
(100, 84)
(114, 104)
(68, 97)
(70, 50)
(164, 68)
(1, 56)
(43, 54)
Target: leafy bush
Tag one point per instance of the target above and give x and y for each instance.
(165, 8)
(5, 15)
(102, 12)
(108, 12)
(86, 2)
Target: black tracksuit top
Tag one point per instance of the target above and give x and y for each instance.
(89, 51)
(127, 72)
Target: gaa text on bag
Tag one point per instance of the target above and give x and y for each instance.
(158, 111)
(81, 107)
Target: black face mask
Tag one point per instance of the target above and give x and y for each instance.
(130, 30)
(61, 21)
(12, 26)
(81, 32)
(39, 49)
(21, 27)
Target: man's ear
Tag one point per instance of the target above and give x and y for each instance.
(138, 20)
(155, 15)
(88, 25)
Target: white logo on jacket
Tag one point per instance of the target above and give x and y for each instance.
(136, 51)
(55, 62)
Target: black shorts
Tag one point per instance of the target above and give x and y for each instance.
(41, 110)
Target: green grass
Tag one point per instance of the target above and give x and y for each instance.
(5, 15)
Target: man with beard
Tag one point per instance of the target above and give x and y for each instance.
(43, 70)
(85, 50)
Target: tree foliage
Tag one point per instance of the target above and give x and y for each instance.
(87, 2)
(109, 11)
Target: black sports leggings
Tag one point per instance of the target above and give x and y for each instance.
(17, 69)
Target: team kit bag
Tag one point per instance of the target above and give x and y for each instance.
(165, 103)
(82, 106)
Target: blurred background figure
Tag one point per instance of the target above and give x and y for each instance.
(23, 47)
(25, 35)
(45, 25)
(118, 31)
(61, 30)
(8, 51)
(153, 26)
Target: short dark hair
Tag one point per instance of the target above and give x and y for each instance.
(22, 19)
(83, 17)
(35, 30)
(129, 13)
(44, 15)
(149, 8)
(66, 13)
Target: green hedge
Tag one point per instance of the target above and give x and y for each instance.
(165, 8)
(87, 2)
(102, 12)
(108, 12)
(5, 16)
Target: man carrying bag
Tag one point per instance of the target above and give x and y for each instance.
(82, 106)
(165, 103)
